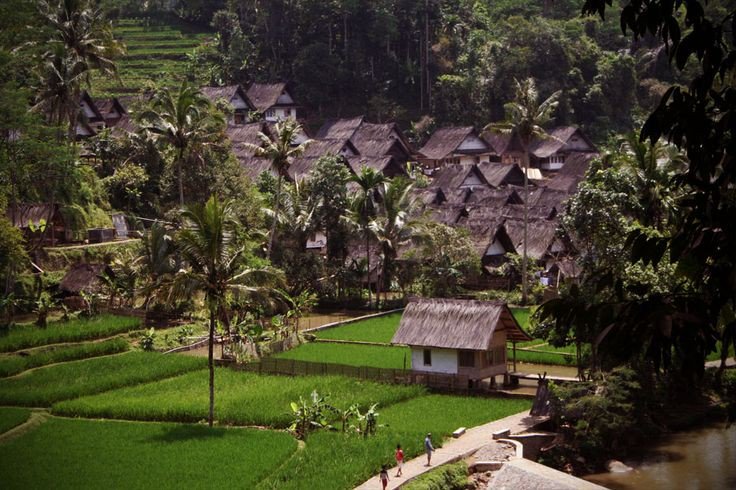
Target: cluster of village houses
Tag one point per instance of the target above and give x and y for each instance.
(476, 178)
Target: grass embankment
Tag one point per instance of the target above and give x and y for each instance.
(380, 329)
(240, 398)
(46, 385)
(97, 454)
(335, 461)
(12, 417)
(23, 337)
(11, 364)
(447, 477)
(351, 355)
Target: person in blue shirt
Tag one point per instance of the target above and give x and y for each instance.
(428, 448)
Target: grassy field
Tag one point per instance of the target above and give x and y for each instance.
(334, 461)
(156, 52)
(241, 398)
(453, 475)
(11, 364)
(541, 358)
(380, 329)
(44, 386)
(102, 454)
(522, 314)
(351, 355)
(23, 337)
(12, 417)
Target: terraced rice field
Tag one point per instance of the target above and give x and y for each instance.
(156, 52)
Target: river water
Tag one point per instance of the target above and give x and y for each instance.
(699, 459)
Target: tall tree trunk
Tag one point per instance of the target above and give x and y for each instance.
(211, 363)
(524, 258)
(180, 171)
(368, 263)
(275, 218)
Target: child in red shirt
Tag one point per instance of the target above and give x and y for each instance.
(399, 459)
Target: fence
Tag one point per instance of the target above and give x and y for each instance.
(291, 367)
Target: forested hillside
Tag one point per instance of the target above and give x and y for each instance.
(455, 60)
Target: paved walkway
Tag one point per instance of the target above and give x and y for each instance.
(455, 449)
(730, 362)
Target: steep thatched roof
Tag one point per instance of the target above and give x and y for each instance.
(497, 198)
(263, 96)
(84, 277)
(339, 128)
(500, 174)
(540, 234)
(547, 197)
(558, 140)
(447, 214)
(516, 211)
(125, 125)
(456, 324)
(227, 93)
(387, 165)
(502, 142)
(450, 177)
(380, 140)
(445, 141)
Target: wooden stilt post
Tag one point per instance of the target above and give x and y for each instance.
(513, 343)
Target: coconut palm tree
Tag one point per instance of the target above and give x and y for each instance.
(187, 121)
(80, 40)
(525, 117)
(281, 150)
(394, 226)
(363, 207)
(215, 266)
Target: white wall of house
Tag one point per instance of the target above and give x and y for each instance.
(471, 181)
(443, 360)
(87, 110)
(472, 142)
(318, 240)
(285, 99)
(275, 114)
(473, 158)
(577, 143)
(495, 248)
(554, 162)
(237, 102)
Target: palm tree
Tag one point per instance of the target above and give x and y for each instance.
(654, 165)
(281, 150)
(394, 226)
(364, 208)
(185, 120)
(81, 40)
(299, 213)
(216, 267)
(525, 117)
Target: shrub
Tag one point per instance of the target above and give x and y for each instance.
(447, 477)
(148, 339)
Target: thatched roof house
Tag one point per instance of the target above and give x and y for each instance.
(465, 337)
(274, 100)
(233, 95)
(339, 128)
(84, 277)
(454, 145)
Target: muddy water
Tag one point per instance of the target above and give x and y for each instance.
(551, 370)
(693, 460)
(317, 319)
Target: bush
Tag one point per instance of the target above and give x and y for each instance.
(447, 477)
(598, 419)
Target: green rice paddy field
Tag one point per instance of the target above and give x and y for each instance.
(160, 401)
(156, 52)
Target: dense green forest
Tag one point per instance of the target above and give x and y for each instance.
(453, 60)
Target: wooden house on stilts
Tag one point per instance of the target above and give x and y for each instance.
(460, 337)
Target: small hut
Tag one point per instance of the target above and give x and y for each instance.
(463, 337)
(84, 277)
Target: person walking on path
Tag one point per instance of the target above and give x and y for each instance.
(384, 476)
(399, 460)
(428, 448)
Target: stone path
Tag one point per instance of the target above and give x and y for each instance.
(730, 362)
(455, 449)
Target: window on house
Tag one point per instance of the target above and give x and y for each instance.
(270, 113)
(239, 118)
(427, 357)
(466, 358)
